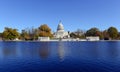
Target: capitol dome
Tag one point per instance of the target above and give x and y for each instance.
(60, 27)
(60, 31)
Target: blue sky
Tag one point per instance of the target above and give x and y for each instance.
(74, 14)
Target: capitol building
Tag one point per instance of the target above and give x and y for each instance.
(61, 33)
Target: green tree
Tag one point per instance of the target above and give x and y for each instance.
(35, 34)
(105, 35)
(113, 32)
(73, 35)
(93, 32)
(10, 34)
(118, 36)
(30, 34)
(79, 33)
(24, 35)
(0, 36)
(45, 31)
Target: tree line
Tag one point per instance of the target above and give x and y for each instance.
(45, 31)
(109, 34)
(26, 34)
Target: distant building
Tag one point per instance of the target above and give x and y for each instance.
(60, 32)
(16, 39)
(43, 39)
(93, 38)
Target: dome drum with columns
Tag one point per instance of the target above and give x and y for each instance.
(60, 32)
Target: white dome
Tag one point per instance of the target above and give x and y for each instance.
(60, 27)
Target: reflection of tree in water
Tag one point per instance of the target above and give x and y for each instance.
(9, 50)
(61, 51)
(44, 50)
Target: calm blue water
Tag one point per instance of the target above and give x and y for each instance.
(60, 56)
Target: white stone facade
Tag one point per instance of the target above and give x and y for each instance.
(43, 39)
(93, 38)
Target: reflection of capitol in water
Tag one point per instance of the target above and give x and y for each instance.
(61, 50)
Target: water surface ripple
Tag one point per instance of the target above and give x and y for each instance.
(103, 56)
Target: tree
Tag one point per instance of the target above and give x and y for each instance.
(24, 35)
(10, 34)
(78, 34)
(118, 36)
(105, 35)
(45, 31)
(1, 35)
(35, 34)
(113, 32)
(73, 35)
(93, 32)
(29, 34)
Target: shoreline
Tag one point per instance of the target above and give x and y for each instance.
(63, 41)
